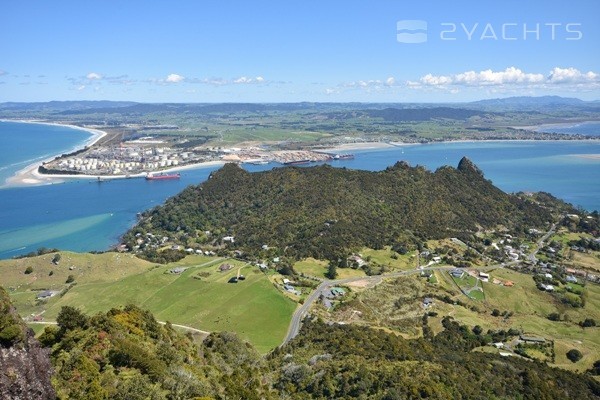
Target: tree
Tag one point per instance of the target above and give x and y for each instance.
(70, 279)
(554, 316)
(587, 323)
(28, 270)
(477, 330)
(574, 355)
(331, 271)
(595, 370)
(56, 258)
(495, 312)
(70, 318)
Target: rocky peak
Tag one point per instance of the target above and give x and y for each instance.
(466, 165)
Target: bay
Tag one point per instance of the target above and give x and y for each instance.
(22, 144)
(86, 215)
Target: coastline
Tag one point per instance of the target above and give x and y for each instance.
(29, 176)
(541, 127)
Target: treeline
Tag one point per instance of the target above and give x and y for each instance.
(126, 354)
(324, 212)
(345, 361)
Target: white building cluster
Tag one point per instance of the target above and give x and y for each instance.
(125, 160)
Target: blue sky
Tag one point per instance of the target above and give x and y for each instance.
(276, 51)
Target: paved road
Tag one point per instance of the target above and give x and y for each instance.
(541, 243)
(299, 314)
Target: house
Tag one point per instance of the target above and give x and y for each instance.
(498, 345)
(276, 259)
(532, 339)
(336, 291)
(177, 270)
(548, 288)
(229, 239)
(457, 273)
(225, 267)
(509, 284)
(437, 259)
(549, 276)
(426, 274)
(44, 295)
(263, 266)
(571, 279)
(357, 259)
(427, 301)
(265, 247)
(286, 281)
(484, 277)
(326, 302)
(288, 287)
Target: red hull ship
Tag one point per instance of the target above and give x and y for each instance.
(162, 177)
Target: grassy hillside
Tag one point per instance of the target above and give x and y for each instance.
(200, 297)
(397, 305)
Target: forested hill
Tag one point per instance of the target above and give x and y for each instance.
(325, 211)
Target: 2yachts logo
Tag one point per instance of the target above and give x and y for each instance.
(416, 31)
(411, 31)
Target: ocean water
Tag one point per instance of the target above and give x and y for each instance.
(23, 144)
(85, 215)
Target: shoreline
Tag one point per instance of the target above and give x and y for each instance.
(540, 128)
(29, 176)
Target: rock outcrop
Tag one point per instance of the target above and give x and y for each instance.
(25, 368)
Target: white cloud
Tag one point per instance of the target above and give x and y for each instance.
(93, 76)
(2, 72)
(509, 77)
(245, 80)
(80, 87)
(572, 75)
(174, 78)
(391, 81)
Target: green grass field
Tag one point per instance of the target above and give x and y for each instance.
(318, 268)
(384, 257)
(252, 308)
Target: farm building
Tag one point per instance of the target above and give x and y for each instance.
(225, 267)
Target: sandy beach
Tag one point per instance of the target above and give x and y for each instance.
(541, 127)
(588, 156)
(29, 176)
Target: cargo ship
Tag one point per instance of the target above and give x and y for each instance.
(298, 162)
(162, 177)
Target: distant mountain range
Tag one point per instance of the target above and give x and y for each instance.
(531, 101)
(107, 106)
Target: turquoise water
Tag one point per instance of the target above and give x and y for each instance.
(23, 144)
(86, 215)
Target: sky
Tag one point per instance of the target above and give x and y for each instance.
(290, 51)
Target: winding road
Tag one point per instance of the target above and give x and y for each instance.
(300, 312)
